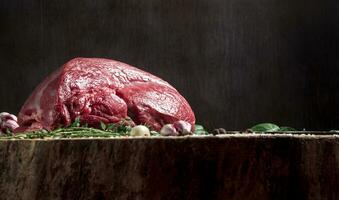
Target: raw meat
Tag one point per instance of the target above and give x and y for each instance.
(102, 90)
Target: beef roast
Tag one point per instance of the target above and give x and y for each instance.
(102, 90)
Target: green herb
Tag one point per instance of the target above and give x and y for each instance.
(76, 130)
(270, 127)
(199, 130)
(286, 128)
(265, 127)
(70, 132)
(76, 122)
(8, 131)
(154, 133)
(110, 127)
(123, 128)
(102, 126)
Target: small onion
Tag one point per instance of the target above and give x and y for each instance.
(3, 114)
(168, 130)
(183, 127)
(6, 116)
(140, 130)
(9, 124)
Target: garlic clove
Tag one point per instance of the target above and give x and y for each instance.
(183, 127)
(140, 130)
(168, 130)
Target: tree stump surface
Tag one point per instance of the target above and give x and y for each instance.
(249, 166)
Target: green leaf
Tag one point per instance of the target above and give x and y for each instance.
(199, 130)
(265, 127)
(110, 127)
(286, 128)
(76, 122)
(198, 127)
(8, 131)
(102, 126)
(123, 129)
(154, 133)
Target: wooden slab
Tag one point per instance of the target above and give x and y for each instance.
(234, 166)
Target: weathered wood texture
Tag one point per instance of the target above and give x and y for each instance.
(247, 60)
(232, 167)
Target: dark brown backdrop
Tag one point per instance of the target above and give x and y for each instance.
(238, 62)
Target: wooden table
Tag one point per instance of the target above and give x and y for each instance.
(233, 166)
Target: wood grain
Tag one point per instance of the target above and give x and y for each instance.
(225, 167)
(238, 62)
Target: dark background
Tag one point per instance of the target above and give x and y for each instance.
(238, 62)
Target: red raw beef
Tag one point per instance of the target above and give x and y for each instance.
(102, 90)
